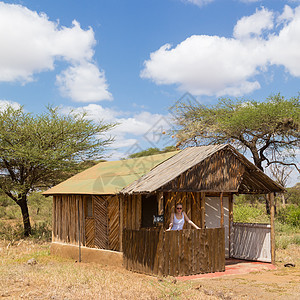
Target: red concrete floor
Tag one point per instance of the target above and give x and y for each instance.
(233, 267)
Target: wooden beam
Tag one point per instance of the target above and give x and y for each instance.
(272, 221)
(221, 210)
(202, 209)
(230, 199)
(121, 221)
(160, 201)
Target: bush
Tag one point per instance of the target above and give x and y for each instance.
(10, 232)
(293, 195)
(289, 215)
(249, 214)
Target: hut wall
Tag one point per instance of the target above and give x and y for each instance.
(106, 222)
(191, 203)
(222, 171)
(175, 253)
(65, 219)
(113, 223)
(99, 229)
(213, 216)
(132, 212)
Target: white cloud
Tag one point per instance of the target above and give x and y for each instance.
(207, 65)
(198, 2)
(132, 126)
(5, 103)
(249, 1)
(31, 43)
(213, 65)
(284, 48)
(204, 2)
(84, 83)
(254, 24)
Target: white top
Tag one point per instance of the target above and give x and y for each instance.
(178, 223)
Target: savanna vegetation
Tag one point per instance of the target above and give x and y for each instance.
(39, 151)
(27, 270)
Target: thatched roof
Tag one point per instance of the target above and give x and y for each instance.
(109, 177)
(214, 168)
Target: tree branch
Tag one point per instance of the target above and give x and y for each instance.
(283, 163)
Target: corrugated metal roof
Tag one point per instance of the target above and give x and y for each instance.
(109, 177)
(186, 159)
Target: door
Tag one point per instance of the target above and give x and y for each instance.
(213, 217)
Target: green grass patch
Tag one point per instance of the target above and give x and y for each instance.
(250, 213)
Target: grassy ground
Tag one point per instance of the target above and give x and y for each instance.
(56, 278)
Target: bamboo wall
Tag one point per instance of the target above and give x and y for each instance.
(101, 230)
(65, 219)
(175, 253)
(132, 213)
(193, 205)
(221, 172)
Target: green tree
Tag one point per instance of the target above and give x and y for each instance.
(38, 151)
(270, 130)
(152, 151)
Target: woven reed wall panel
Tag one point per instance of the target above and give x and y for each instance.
(90, 232)
(113, 223)
(65, 219)
(174, 253)
(101, 222)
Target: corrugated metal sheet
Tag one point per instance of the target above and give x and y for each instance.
(251, 241)
(109, 177)
(166, 172)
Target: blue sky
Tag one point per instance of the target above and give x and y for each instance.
(129, 61)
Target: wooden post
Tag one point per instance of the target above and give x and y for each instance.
(230, 199)
(121, 220)
(202, 209)
(272, 220)
(160, 203)
(79, 242)
(221, 210)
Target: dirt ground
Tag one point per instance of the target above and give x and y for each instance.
(28, 271)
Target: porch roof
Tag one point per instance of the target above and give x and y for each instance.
(109, 177)
(204, 169)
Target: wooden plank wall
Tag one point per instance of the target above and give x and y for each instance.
(101, 221)
(191, 203)
(132, 211)
(113, 223)
(174, 253)
(222, 171)
(65, 219)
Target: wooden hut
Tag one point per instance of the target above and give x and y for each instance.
(86, 206)
(204, 179)
(111, 207)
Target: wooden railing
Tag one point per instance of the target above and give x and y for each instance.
(175, 253)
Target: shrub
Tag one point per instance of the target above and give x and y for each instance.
(290, 215)
(249, 214)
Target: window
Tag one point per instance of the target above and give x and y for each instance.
(149, 208)
(89, 207)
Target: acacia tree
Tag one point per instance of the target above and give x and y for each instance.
(38, 151)
(281, 175)
(270, 130)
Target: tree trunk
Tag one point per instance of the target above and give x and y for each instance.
(25, 214)
(283, 199)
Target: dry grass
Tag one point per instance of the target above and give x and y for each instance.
(57, 278)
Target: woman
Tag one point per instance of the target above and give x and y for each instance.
(177, 219)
